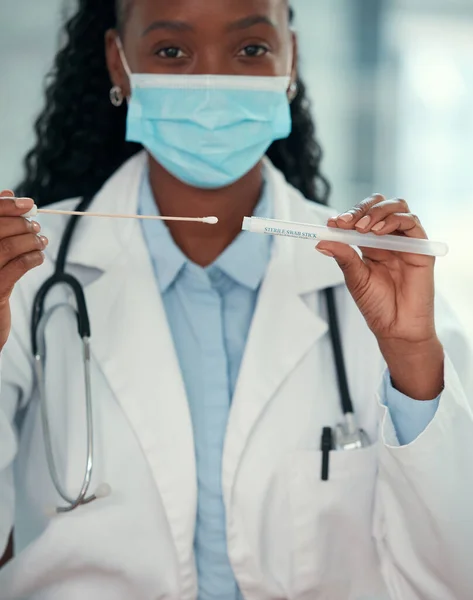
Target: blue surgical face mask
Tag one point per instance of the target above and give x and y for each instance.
(207, 130)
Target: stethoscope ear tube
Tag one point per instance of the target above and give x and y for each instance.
(60, 276)
(337, 347)
(83, 323)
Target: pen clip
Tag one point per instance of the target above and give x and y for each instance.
(326, 446)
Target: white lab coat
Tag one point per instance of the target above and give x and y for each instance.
(392, 522)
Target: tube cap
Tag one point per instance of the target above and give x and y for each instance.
(246, 224)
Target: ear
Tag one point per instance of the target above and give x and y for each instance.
(115, 66)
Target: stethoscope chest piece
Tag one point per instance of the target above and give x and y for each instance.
(348, 436)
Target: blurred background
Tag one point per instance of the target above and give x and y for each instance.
(392, 87)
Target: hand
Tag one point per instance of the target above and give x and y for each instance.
(395, 293)
(20, 251)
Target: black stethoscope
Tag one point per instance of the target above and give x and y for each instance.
(39, 321)
(346, 435)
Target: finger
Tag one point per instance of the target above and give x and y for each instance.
(379, 213)
(15, 270)
(355, 271)
(7, 194)
(11, 226)
(407, 224)
(348, 219)
(14, 207)
(13, 247)
(332, 222)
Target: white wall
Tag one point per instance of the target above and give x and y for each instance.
(28, 38)
(434, 136)
(326, 46)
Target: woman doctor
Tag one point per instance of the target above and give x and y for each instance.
(212, 372)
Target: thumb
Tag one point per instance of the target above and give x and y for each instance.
(355, 271)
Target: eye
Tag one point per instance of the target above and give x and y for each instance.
(171, 53)
(253, 51)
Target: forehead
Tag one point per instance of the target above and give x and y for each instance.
(211, 10)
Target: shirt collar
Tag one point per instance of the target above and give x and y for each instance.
(244, 261)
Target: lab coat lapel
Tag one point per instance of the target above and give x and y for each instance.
(283, 330)
(133, 345)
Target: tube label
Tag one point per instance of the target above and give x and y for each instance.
(290, 233)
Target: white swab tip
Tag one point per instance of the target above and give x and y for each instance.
(210, 220)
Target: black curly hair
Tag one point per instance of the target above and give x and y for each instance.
(80, 136)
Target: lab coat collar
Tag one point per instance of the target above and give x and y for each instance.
(97, 243)
(312, 271)
(97, 246)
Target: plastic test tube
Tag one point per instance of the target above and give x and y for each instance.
(319, 233)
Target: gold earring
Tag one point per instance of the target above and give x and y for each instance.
(116, 95)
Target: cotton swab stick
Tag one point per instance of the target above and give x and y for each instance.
(35, 211)
(208, 220)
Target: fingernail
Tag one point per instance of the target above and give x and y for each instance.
(345, 217)
(378, 226)
(25, 203)
(325, 253)
(37, 258)
(44, 240)
(36, 227)
(364, 222)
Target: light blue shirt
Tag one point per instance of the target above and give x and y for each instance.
(410, 417)
(210, 312)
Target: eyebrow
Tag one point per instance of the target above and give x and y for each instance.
(168, 25)
(248, 22)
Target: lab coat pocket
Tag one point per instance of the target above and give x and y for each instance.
(332, 550)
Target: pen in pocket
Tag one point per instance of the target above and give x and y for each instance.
(326, 446)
